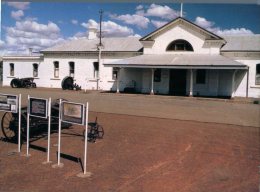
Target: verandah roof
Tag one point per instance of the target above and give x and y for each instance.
(184, 61)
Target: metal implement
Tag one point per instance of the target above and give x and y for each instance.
(9, 124)
(23, 83)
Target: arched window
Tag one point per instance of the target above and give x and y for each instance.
(179, 45)
(257, 74)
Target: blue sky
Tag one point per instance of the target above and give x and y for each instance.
(43, 24)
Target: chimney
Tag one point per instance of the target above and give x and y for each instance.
(30, 51)
(92, 33)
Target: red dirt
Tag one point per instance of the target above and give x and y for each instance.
(141, 154)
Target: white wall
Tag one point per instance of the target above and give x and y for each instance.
(253, 89)
(180, 32)
(22, 69)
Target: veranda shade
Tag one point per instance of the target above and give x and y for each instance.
(184, 61)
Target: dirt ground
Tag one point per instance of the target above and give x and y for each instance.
(140, 154)
(151, 143)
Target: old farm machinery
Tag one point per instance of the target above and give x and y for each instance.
(9, 125)
(23, 83)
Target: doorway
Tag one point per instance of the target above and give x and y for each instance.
(177, 83)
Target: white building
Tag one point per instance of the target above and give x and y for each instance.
(179, 58)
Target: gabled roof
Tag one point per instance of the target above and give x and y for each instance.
(179, 20)
(126, 44)
(242, 43)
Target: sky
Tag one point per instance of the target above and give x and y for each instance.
(39, 25)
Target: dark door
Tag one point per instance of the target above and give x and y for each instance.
(177, 84)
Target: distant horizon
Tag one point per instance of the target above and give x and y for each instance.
(40, 25)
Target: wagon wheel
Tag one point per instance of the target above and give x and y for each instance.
(15, 83)
(9, 125)
(67, 83)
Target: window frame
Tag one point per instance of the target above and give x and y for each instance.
(35, 69)
(180, 45)
(72, 69)
(257, 74)
(96, 69)
(114, 73)
(11, 69)
(56, 69)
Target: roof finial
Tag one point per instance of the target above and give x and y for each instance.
(181, 9)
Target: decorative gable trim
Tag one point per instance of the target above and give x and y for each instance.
(180, 20)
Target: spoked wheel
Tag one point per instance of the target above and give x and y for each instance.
(9, 125)
(100, 132)
(95, 131)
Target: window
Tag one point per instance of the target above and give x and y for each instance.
(157, 75)
(71, 68)
(257, 76)
(201, 76)
(56, 69)
(11, 69)
(114, 73)
(96, 69)
(35, 70)
(179, 45)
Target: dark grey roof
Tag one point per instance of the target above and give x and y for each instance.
(109, 44)
(242, 43)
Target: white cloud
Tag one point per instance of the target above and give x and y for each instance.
(138, 20)
(160, 11)
(78, 35)
(203, 22)
(236, 31)
(110, 28)
(158, 24)
(19, 5)
(91, 23)
(31, 34)
(17, 14)
(139, 7)
(209, 25)
(74, 21)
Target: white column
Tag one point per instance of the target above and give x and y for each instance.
(191, 83)
(247, 81)
(117, 80)
(233, 91)
(152, 92)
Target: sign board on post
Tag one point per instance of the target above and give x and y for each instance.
(9, 103)
(38, 107)
(73, 112)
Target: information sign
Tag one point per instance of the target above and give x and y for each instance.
(38, 107)
(72, 112)
(9, 103)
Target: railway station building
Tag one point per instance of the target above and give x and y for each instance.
(180, 58)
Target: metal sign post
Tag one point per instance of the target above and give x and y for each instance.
(49, 132)
(85, 173)
(19, 123)
(59, 165)
(28, 130)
